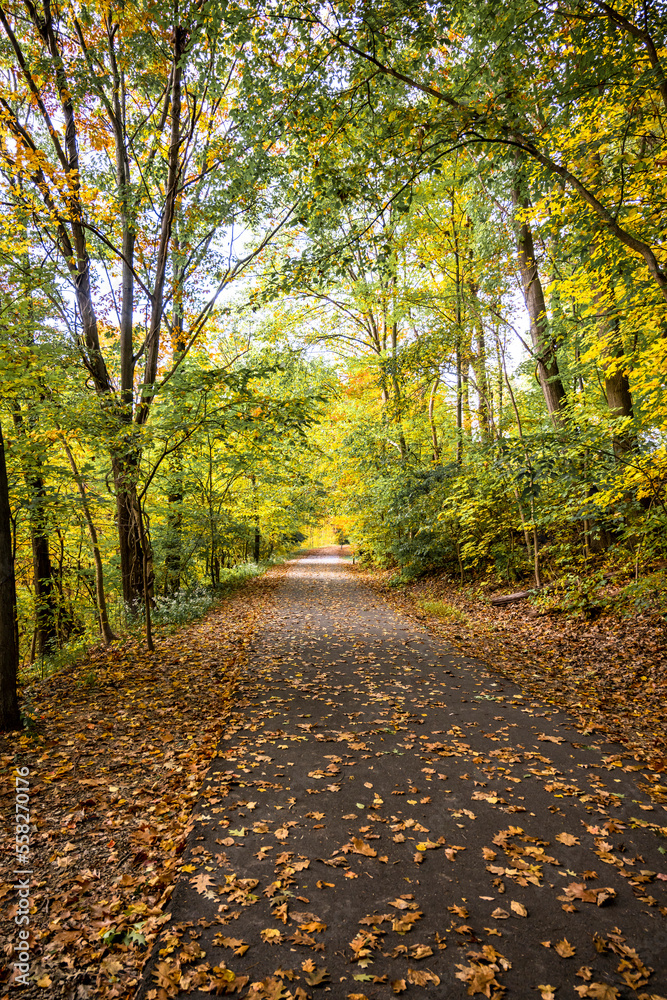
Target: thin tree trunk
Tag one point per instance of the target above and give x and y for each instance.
(173, 541)
(431, 420)
(10, 717)
(543, 347)
(147, 595)
(459, 360)
(46, 602)
(500, 382)
(256, 536)
(536, 551)
(102, 612)
(484, 407)
(168, 213)
(465, 398)
(616, 382)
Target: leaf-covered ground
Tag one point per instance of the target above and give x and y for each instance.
(117, 754)
(391, 818)
(610, 673)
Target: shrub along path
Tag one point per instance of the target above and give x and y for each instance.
(394, 819)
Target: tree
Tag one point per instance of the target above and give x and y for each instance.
(147, 71)
(9, 654)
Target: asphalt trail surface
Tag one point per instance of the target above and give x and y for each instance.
(393, 819)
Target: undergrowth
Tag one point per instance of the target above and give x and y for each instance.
(170, 612)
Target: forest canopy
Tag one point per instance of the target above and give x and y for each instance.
(395, 267)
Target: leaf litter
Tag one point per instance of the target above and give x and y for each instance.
(117, 751)
(278, 899)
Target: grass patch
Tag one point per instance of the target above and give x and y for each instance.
(441, 609)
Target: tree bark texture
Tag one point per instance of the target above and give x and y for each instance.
(9, 654)
(543, 347)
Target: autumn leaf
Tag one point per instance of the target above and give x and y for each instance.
(427, 845)
(577, 890)
(597, 991)
(420, 951)
(519, 909)
(315, 976)
(564, 948)
(271, 935)
(422, 978)
(398, 985)
(239, 946)
(567, 838)
(360, 847)
(479, 978)
(201, 882)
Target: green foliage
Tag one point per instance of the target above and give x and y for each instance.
(374, 369)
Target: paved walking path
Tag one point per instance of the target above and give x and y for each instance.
(394, 819)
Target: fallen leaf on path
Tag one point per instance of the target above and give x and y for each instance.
(419, 978)
(201, 882)
(577, 890)
(315, 976)
(567, 838)
(271, 935)
(479, 978)
(598, 991)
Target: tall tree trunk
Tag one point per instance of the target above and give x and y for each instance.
(459, 404)
(478, 357)
(173, 540)
(137, 544)
(100, 596)
(543, 346)
(256, 535)
(500, 381)
(616, 382)
(46, 598)
(431, 420)
(9, 654)
(398, 396)
(458, 351)
(465, 398)
(46, 602)
(129, 534)
(619, 398)
(174, 167)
